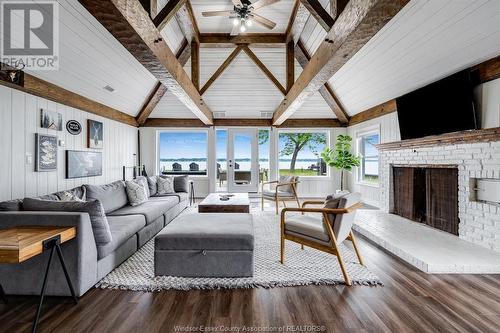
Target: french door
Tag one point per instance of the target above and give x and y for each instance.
(242, 156)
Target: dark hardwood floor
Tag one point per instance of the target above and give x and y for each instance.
(410, 301)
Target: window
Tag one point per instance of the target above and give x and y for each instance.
(183, 152)
(299, 153)
(264, 154)
(368, 170)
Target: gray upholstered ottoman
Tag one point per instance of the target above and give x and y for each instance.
(206, 245)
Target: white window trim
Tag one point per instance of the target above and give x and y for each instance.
(183, 130)
(375, 129)
(327, 131)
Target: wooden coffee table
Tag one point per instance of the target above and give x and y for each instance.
(237, 203)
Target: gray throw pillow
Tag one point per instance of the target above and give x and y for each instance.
(144, 181)
(153, 187)
(137, 192)
(78, 192)
(68, 196)
(287, 179)
(100, 226)
(181, 183)
(112, 196)
(11, 205)
(165, 185)
(332, 201)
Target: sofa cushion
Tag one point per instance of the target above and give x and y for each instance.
(216, 231)
(287, 179)
(153, 187)
(150, 209)
(181, 183)
(112, 196)
(332, 202)
(180, 196)
(308, 226)
(137, 192)
(100, 226)
(122, 228)
(11, 205)
(281, 194)
(165, 185)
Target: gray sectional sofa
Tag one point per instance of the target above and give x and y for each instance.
(131, 227)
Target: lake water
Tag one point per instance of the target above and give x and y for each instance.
(244, 165)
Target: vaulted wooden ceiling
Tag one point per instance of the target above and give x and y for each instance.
(424, 41)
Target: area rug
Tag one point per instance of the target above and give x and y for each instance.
(302, 267)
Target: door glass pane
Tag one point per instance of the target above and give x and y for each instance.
(263, 155)
(242, 158)
(221, 155)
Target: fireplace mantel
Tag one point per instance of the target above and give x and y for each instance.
(471, 136)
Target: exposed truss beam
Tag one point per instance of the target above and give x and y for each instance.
(221, 69)
(326, 91)
(167, 12)
(187, 22)
(195, 64)
(151, 101)
(359, 22)
(133, 28)
(291, 123)
(184, 53)
(290, 64)
(225, 39)
(319, 13)
(297, 22)
(264, 69)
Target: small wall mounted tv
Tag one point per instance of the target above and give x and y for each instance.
(440, 107)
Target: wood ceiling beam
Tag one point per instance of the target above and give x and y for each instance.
(319, 13)
(251, 38)
(187, 22)
(133, 28)
(151, 101)
(38, 87)
(159, 90)
(325, 90)
(195, 64)
(359, 22)
(264, 69)
(486, 71)
(374, 112)
(297, 22)
(221, 69)
(167, 12)
(153, 8)
(238, 122)
(290, 64)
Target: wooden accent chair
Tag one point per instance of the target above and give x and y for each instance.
(285, 190)
(325, 231)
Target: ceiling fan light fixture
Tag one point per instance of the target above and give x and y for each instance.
(243, 28)
(236, 21)
(248, 22)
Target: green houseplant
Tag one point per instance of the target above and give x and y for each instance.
(341, 157)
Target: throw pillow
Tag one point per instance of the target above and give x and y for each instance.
(137, 192)
(68, 196)
(153, 187)
(332, 201)
(112, 196)
(287, 179)
(144, 180)
(165, 185)
(181, 183)
(100, 226)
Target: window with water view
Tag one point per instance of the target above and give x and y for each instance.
(368, 170)
(183, 152)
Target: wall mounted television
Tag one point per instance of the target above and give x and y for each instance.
(440, 107)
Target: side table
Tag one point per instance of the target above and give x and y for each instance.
(18, 244)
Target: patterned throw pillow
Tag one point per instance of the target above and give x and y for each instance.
(68, 196)
(136, 192)
(165, 185)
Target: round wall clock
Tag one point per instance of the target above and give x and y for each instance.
(73, 127)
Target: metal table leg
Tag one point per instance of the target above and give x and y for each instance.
(54, 246)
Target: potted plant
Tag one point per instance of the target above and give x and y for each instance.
(341, 157)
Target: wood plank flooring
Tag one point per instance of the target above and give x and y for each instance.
(410, 301)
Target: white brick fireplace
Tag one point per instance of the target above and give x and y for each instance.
(479, 221)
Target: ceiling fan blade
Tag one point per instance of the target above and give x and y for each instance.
(261, 3)
(237, 3)
(263, 21)
(236, 29)
(218, 13)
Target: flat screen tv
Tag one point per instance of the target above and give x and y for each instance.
(441, 107)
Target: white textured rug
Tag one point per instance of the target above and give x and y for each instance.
(302, 267)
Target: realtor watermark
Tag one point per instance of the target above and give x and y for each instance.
(30, 35)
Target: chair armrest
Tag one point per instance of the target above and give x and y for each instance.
(287, 184)
(323, 210)
(271, 182)
(312, 202)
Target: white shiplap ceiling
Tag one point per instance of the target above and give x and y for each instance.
(91, 58)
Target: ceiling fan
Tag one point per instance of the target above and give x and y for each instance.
(243, 15)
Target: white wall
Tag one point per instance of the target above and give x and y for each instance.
(308, 187)
(20, 120)
(488, 98)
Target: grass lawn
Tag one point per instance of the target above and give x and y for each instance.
(298, 172)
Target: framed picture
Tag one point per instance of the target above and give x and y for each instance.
(46, 152)
(51, 120)
(83, 164)
(95, 134)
